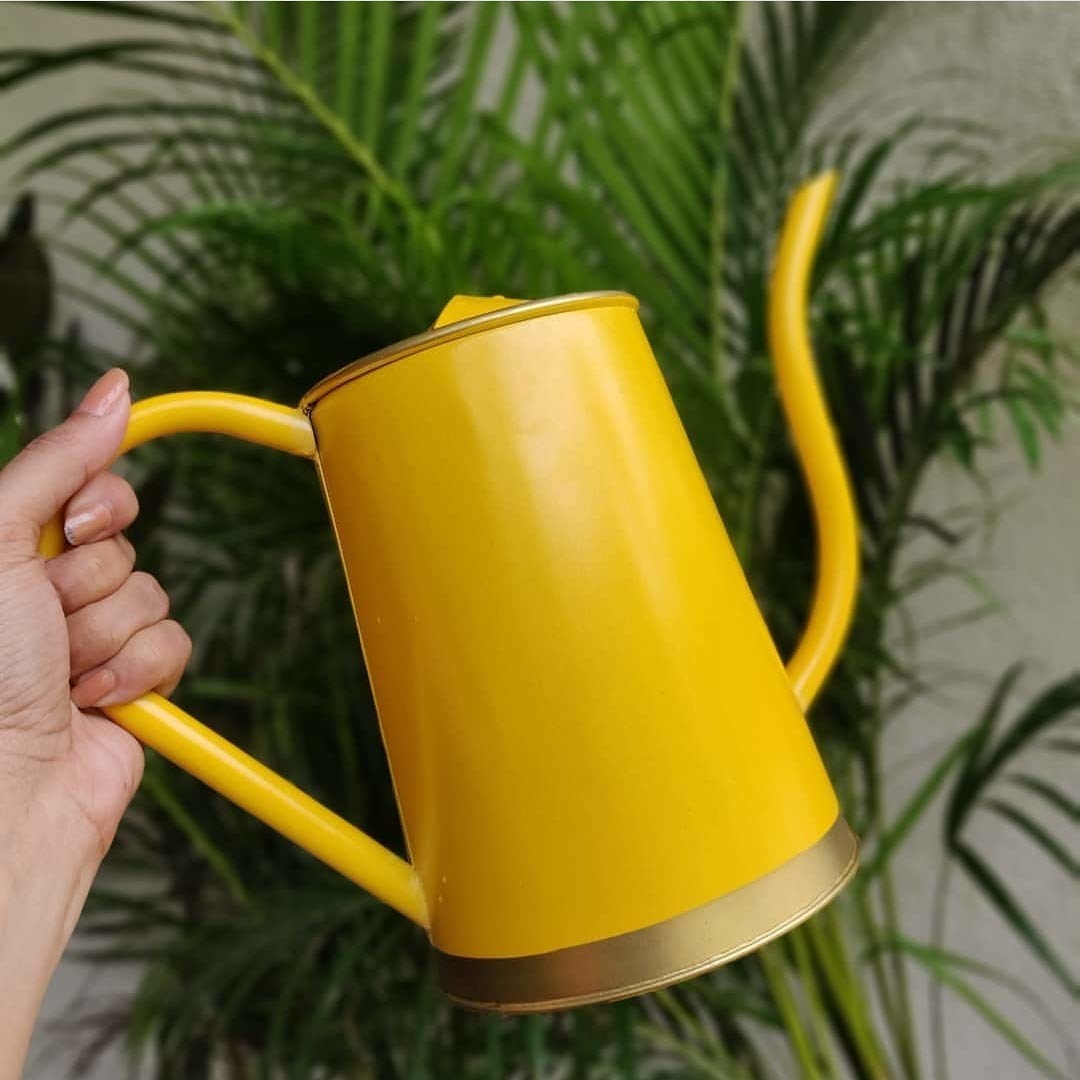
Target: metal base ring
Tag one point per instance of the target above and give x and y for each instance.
(668, 952)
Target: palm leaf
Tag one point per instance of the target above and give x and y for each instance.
(952, 970)
(996, 745)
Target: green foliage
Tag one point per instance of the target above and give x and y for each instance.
(978, 788)
(295, 185)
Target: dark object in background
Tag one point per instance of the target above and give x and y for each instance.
(25, 284)
(26, 293)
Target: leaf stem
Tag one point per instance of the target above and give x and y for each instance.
(909, 1054)
(899, 1005)
(868, 921)
(197, 836)
(718, 225)
(773, 967)
(309, 97)
(819, 1021)
(937, 992)
(828, 945)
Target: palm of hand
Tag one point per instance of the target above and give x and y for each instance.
(88, 766)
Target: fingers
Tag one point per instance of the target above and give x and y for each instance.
(90, 573)
(154, 658)
(100, 630)
(39, 480)
(102, 508)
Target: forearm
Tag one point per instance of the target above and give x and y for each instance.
(74, 628)
(41, 895)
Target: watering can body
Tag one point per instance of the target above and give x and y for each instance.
(603, 772)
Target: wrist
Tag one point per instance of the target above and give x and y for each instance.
(43, 885)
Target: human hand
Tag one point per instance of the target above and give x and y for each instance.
(78, 631)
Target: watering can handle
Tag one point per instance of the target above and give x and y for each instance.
(835, 521)
(200, 751)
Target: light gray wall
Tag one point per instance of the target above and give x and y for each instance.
(1011, 65)
(1014, 68)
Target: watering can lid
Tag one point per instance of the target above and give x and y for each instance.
(461, 316)
(468, 307)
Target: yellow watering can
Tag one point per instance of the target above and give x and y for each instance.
(603, 771)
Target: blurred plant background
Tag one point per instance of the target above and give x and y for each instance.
(281, 188)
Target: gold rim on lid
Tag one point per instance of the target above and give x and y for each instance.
(463, 328)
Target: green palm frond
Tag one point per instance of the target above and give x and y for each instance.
(959, 974)
(998, 745)
(925, 288)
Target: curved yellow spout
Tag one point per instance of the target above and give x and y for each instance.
(815, 442)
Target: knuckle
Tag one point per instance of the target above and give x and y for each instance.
(153, 595)
(84, 629)
(98, 563)
(182, 645)
(119, 496)
(163, 651)
(151, 654)
(87, 574)
(123, 553)
(127, 547)
(127, 493)
(102, 566)
(62, 440)
(57, 438)
(58, 450)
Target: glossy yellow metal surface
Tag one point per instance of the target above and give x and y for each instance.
(588, 726)
(603, 771)
(815, 442)
(279, 427)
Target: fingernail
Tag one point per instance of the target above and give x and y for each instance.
(87, 524)
(92, 687)
(105, 394)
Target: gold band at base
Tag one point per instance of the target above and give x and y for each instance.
(678, 948)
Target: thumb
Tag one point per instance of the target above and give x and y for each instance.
(35, 485)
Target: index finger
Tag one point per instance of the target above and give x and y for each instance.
(36, 484)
